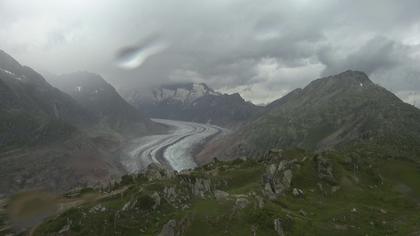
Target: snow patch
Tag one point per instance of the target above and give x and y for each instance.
(8, 72)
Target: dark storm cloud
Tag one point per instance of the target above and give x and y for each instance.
(261, 49)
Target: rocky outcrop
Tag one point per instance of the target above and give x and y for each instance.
(169, 193)
(297, 192)
(278, 178)
(169, 229)
(201, 187)
(155, 171)
(221, 195)
(325, 170)
(242, 203)
(278, 227)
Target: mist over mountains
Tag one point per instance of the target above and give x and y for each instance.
(210, 117)
(341, 135)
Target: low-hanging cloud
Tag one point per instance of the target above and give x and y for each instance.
(260, 49)
(132, 57)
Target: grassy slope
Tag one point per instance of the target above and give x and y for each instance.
(376, 197)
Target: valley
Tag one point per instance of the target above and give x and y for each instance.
(173, 150)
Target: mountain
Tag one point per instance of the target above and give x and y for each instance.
(334, 112)
(46, 138)
(32, 110)
(195, 102)
(93, 93)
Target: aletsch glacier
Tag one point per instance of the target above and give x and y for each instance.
(173, 150)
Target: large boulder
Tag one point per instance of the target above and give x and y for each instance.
(325, 170)
(278, 178)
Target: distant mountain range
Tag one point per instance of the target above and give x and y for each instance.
(194, 102)
(334, 112)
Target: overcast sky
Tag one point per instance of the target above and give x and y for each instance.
(262, 49)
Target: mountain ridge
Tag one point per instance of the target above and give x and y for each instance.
(195, 102)
(329, 113)
(95, 94)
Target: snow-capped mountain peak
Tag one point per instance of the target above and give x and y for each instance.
(185, 93)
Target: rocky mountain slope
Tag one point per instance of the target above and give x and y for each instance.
(31, 110)
(290, 192)
(48, 140)
(195, 102)
(330, 113)
(93, 93)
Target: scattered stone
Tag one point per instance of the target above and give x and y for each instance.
(340, 227)
(297, 192)
(97, 208)
(271, 169)
(169, 193)
(287, 178)
(278, 227)
(221, 195)
(325, 170)
(302, 212)
(282, 166)
(354, 210)
(156, 198)
(382, 211)
(126, 206)
(201, 187)
(65, 227)
(260, 202)
(335, 189)
(254, 230)
(168, 229)
(153, 172)
(320, 187)
(241, 203)
(170, 174)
